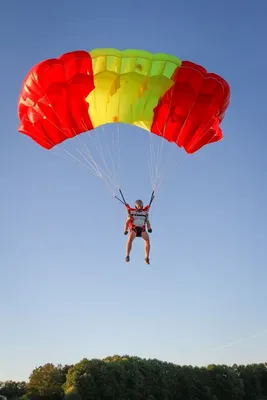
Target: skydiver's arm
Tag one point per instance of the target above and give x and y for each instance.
(126, 226)
(148, 224)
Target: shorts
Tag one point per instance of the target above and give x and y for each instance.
(138, 230)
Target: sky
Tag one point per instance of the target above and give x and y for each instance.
(66, 291)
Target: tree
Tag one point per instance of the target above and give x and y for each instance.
(46, 382)
(12, 390)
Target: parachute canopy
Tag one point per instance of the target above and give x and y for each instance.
(80, 90)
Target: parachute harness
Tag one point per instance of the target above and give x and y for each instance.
(128, 208)
(123, 201)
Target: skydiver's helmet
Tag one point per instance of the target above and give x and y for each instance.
(139, 204)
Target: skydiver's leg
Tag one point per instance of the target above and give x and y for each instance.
(145, 236)
(130, 240)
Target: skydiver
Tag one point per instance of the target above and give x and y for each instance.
(137, 221)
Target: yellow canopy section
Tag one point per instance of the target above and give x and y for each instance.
(128, 85)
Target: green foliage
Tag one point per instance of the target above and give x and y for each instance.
(11, 389)
(46, 382)
(72, 394)
(134, 378)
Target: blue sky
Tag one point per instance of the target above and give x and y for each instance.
(66, 292)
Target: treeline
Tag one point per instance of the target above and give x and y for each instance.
(134, 378)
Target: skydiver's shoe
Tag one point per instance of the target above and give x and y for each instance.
(127, 258)
(147, 261)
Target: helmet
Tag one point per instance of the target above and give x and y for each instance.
(138, 203)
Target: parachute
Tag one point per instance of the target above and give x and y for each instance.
(79, 91)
